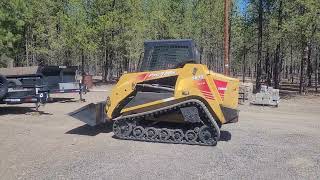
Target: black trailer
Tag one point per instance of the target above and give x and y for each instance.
(53, 79)
(62, 79)
(13, 91)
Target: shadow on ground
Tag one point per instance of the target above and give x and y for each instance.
(225, 136)
(21, 110)
(62, 100)
(287, 94)
(101, 82)
(91, 131)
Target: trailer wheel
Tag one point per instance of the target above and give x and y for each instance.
(3, 86)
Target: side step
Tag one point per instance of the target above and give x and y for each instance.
(92, 114)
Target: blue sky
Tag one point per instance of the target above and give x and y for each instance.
(242, 5)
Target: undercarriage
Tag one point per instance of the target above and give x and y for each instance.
(204, 131)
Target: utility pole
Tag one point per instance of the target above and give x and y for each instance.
(226, 37)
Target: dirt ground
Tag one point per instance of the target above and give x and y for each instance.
(267, 143)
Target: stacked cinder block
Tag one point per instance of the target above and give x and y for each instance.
(246, 90)
(266, 96)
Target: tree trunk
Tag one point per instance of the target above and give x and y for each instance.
(268, 68)
(125, 64)
(244, 63)
(105, 58)
(276, 67)
(27, 45)
(110, 66)
(259, 56)
(33, 55)
(286, 71)
(309, 67)
(278, 58)
(317, 69)
(82, 63)
(281, 65)
(105, 65)
(302, 67)
(291, 64)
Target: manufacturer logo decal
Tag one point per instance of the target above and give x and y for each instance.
(145, 76)
(198, 77)
(221, 86)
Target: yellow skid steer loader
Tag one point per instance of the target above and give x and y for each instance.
(172, 99)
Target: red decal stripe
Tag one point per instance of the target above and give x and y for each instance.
(209, 98)
(142, 77)
(204, 89)
(209, 95)
(204, 92)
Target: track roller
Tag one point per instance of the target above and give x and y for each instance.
(135, 127)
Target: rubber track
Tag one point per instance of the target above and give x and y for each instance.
(201, 106)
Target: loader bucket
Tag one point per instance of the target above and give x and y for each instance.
(92, 114)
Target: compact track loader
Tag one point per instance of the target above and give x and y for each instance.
(172, 99)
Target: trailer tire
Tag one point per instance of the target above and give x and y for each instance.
(3, 86)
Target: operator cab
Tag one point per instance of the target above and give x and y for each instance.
(168, 54)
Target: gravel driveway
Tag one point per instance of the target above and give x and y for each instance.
(267, 143)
